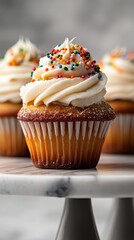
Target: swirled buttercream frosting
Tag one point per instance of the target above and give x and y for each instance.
(15, 69)
(67, 75)
(119, 68)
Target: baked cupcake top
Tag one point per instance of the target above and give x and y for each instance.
(15, 69)
(119, 68)
(67, 75)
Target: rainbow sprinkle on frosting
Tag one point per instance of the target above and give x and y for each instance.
(56, 60)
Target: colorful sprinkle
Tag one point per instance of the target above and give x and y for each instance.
(66, 68)
(99, 75)
(72, 68)
(97, 68)
(76, 52)
(57, 60)
(68, 62)
(60, 66)
(72, 76)
(83, 76)
(88, 56)
(21, 49)
(110, 63)
(72, 47)
(63, 62)
(60, 76)
(31, 74)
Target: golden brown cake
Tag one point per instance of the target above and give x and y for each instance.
(18, 61)
(119, 67)
(64, 116)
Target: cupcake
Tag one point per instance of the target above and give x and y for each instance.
(64, 115)
(119, 68)
(15, 70)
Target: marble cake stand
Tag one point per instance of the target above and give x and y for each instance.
(114, 177)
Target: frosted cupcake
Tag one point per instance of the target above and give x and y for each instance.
(119, 67)
(15, 70)
(64, 116)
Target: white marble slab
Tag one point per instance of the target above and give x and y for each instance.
(114, 177)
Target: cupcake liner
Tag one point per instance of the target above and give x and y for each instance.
(120, 136)
(65, 144)
(12, 141)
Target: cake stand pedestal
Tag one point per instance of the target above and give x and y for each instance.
(114, 177)
(121, 222)
(77, 221)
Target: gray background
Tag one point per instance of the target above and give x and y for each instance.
(100, 25)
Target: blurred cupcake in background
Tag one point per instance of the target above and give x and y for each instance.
(119, 68)
(64, 115)
(15, 69)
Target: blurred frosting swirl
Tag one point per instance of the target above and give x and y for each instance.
(15, 69)
(67, 75)
(119, 68)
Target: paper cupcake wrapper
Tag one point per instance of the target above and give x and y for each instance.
(65, 144)
(12, 141)
(120, 136)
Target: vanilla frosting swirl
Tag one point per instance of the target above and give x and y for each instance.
(119, 68)
(67, 75)
(15, 69)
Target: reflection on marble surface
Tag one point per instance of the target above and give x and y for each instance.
(37, 218)
(20, 177)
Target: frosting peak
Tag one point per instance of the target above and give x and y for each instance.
(66, 60)
(15, 69)
(66, 75)
(22, 51)
(119, 67)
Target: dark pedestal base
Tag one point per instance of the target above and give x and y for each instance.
(77, 222)
(121, 222)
